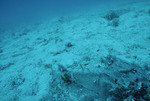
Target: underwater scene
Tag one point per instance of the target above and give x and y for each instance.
(74, 50)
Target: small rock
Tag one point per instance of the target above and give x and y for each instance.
(48, 66)
(69, 45)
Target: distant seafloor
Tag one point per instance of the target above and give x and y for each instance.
(28, 11)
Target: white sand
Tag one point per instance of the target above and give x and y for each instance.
(31, 56)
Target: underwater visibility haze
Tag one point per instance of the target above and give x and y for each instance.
(75, 50)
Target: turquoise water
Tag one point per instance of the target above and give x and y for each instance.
(75, 50)
(22, 11)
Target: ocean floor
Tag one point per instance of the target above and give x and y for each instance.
(99, 55)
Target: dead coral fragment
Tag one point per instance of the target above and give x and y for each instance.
(82, 67)
(141, 94)
(66, 78)
(114, 23)
(111, 15)
(109, 60)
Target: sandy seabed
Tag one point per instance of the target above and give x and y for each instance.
(99, 55)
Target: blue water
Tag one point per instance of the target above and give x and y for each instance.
(20, 11)
(31, 9)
